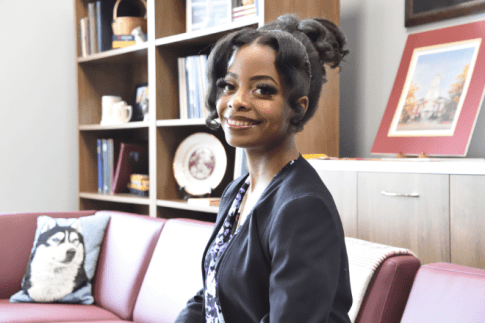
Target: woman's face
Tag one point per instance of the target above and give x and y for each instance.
(253, 108)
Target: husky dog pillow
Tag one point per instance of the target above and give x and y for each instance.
(63, 260)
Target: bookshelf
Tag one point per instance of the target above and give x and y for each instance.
(118, 71)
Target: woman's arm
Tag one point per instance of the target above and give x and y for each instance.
(194, 311)
(306, 242)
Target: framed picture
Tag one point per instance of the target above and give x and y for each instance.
(419, 12)
(437, 93)
(202, 14)
(140, 103)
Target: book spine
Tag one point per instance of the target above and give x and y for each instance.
(92, 28)
(100, 166)
(105, 166)
(110, 165)
(99, 27)
(182, 95)
(83, 28)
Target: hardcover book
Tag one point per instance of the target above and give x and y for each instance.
(132, 159)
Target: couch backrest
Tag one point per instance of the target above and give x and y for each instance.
(446, 293)
(174, 274)
(123, 260)
(17, 233)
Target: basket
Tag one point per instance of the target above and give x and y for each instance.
(125, 25)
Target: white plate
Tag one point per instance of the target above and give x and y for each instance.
(200, 163)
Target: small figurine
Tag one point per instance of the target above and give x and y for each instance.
(139, 35)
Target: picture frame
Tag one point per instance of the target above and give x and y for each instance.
(140, 102)
(202, 14)
(418, 12)
(437, 93)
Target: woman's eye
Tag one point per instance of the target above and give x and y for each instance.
(224, 85)
(265, 89)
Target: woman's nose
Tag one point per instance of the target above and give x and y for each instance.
(238, 100)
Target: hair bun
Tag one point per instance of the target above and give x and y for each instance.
(327, 38)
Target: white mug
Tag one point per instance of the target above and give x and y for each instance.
(122, 112)
(107, 102)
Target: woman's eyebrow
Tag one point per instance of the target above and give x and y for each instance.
(253, 78)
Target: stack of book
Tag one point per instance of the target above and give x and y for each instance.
(95, 30)
(243, 12)
(192, 86)
(117, 161)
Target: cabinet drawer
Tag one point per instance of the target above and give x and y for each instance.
(343, 187)
(467, 220)
(406, 210)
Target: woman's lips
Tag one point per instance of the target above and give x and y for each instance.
(241, 123)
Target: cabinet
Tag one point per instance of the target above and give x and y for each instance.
(431, 208)
(117, 72)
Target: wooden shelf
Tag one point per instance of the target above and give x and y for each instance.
(180, 122)
(117, 56)
(129, 125)
(181, 204)
(119, 198)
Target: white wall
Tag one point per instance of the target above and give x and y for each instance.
(377, 36)
(38, 138)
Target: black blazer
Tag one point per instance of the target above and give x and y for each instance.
(288, 263)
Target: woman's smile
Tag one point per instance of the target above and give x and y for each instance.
(238, 123)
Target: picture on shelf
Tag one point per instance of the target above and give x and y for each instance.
(419, 12)
(140, 103)
(202, 14)
(435, 89)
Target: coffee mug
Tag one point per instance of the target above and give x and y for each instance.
(107, 102)
(122, 112)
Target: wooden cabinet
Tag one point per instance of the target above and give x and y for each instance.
(117, 72)
(434, 209)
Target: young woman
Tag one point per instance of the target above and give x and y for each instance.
(277, 253)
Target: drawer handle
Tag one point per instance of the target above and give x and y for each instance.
(400, 194)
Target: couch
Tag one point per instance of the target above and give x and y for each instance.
(149, 267)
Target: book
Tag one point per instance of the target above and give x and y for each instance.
(104, 150)
(93, 39)
(120, 41)
(132, 159)
(204, 201)
(100, 165)
(84, 38)
(182, 89)
(202, 80)
(104, 15)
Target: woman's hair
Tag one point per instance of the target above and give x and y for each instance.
(302, 48)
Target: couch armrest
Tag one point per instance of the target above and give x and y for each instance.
(17, 231)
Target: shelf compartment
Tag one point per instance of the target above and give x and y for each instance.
(96, 80)
(88, 157)
(183, 205)
(168, 140)
(118, 198)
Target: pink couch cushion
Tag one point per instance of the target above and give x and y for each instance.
(174, 274)
(388, 290)
(17, 233)
(446, 293)
(32, 312)
(123, 260)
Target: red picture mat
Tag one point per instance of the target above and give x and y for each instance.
(456, 144)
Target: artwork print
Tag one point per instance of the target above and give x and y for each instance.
(435, 89)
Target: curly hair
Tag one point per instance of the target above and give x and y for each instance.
(302, 49)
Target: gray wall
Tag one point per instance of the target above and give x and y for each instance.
(38, 138)
(377, 36)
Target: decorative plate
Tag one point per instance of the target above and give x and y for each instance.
(200, 163)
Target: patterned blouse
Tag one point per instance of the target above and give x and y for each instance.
(213, 311)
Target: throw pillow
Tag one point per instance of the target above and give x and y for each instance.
(63, 260)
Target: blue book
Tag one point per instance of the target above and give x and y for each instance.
(100, 165)
(105, 153)
(104, 16)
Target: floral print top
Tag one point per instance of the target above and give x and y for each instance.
(213, 311)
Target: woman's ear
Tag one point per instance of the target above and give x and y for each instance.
(303, 102)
